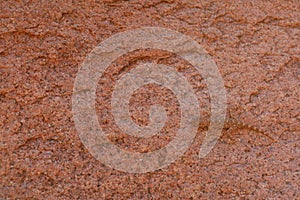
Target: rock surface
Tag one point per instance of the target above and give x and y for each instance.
(255, 45)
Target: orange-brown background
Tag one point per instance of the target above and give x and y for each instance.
(255, 45)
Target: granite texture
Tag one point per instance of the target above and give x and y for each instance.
(255, 45)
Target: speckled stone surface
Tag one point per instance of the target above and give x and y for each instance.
(255, 45)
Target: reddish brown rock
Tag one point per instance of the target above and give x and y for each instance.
(255, 45)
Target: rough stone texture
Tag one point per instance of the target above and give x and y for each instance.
(256, 47)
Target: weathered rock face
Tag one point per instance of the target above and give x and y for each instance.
(255, 45)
